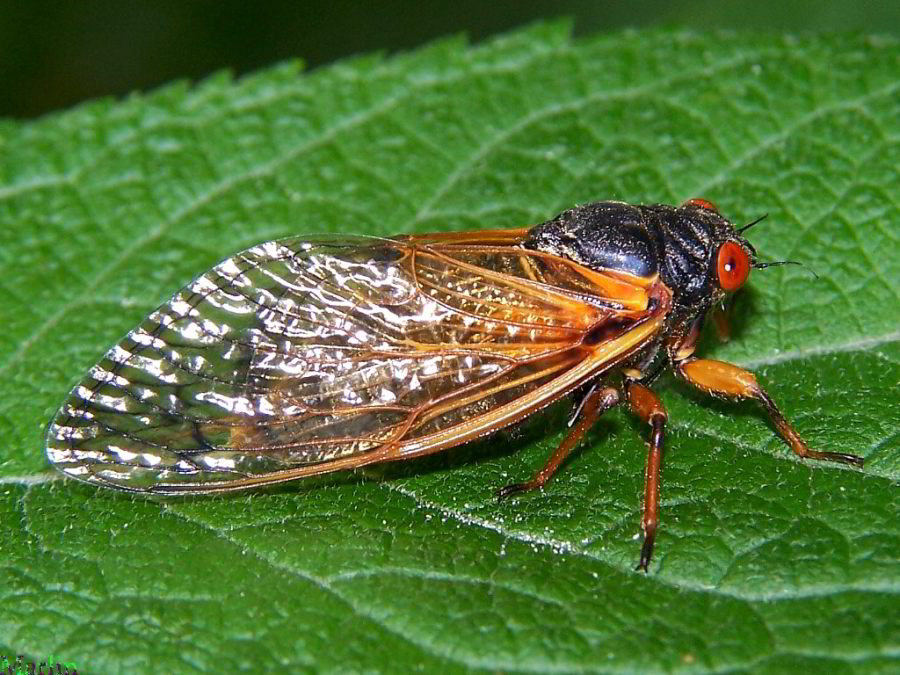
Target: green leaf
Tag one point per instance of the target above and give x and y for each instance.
(764, 562)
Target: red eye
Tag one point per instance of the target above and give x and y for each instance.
(699, 202)
(732, 266)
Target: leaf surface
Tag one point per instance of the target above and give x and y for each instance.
(764, 562)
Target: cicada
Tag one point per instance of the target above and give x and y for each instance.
(307, 355)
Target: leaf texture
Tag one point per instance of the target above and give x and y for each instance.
(764, 563)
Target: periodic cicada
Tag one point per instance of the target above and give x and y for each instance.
(308, 355)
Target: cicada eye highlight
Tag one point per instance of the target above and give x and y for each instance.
(701, 203)
(732, 266)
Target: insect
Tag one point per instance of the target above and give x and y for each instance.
(308, 355)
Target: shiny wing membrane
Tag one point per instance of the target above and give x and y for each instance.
(301, 356)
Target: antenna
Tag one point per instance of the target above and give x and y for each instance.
(749, 225)
(762, 266)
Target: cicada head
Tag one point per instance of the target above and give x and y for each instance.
(706, 256)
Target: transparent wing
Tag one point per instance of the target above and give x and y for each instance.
(301, 356)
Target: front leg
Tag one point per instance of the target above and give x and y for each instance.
(726, 380)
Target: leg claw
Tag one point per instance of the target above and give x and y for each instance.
(646, 552)
(513, 489)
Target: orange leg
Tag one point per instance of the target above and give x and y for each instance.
(646, 405)
(597, 402)
(728, 381)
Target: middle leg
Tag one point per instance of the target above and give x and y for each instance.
(647, 406)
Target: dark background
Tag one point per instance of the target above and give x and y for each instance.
(54, 54)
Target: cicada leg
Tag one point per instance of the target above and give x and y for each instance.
(724, 379)
(721, 320)
(647, 406)
(597, 402)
